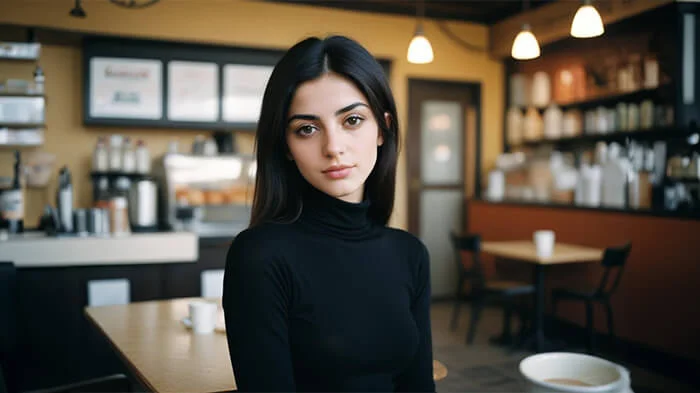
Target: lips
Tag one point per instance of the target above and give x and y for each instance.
(338, 171)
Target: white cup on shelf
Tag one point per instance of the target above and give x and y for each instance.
(544, 243)
(203, 316)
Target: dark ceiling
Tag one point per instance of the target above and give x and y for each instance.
(483, 11)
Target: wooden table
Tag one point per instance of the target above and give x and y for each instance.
(161, 351)
(525, 251)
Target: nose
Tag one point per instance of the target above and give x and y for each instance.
(333, 144)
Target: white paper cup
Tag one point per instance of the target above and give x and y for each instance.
(603, 376)
(544, 243)
(203, 316)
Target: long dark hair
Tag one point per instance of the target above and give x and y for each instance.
(278, 183)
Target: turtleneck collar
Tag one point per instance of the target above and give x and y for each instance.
(326, 214)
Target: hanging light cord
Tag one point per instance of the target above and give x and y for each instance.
(451, 35)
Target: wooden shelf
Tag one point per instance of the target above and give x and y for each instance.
(22, 126)
(617, 136)
(22, 137)
(636, 96)
(20, 94)
(662, 92)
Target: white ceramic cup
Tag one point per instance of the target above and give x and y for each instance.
(603, 376)
(203, 316)
(544, 243)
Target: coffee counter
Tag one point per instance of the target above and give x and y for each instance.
(38, 250)
(659, 283)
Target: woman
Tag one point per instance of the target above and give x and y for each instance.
(319, 295)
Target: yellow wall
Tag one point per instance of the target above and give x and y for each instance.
(236, 23)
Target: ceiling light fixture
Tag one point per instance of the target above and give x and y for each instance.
(525, 45)
(587, 22)
(419, 50)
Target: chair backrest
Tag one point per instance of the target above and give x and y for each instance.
(8, 324)
(614, 259)
(472, 245)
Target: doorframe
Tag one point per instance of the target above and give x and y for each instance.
(413, 149)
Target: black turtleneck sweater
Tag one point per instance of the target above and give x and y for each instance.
(331, 302)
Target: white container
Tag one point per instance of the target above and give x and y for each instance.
(100, 157)
(553, 122)
(497, 186)
(143, 158)
(519, 90)
(203, 316)
(572, 123)
(541, 89)
(514, 125)
(602, 375)
(128, 157)
(544, 243)
(115, 153)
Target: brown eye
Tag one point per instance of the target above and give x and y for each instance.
(354, 121)
(306, 130)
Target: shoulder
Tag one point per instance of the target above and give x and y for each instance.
(265, 242)
(411, 244)
(406, 239)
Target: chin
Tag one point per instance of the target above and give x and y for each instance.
(339, 190)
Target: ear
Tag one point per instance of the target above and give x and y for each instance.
(387, 120)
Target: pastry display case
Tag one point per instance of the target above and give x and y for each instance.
(209, 195)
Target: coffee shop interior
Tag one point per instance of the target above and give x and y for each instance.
(549, 161)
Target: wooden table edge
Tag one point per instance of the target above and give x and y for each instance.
(596, 250)
(116, 349)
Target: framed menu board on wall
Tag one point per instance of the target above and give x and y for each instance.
(193, 91)
(244, 86)
(143, 83)
(126, 88)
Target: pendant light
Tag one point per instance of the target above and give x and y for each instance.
(525, 45)
(587, 22)
(419, 50)
(78, 11)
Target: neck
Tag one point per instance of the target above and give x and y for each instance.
(334, 216)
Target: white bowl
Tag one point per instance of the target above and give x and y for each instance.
(605, 376)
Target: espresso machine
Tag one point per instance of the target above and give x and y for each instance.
(208, 195)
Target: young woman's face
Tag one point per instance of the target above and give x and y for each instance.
(332, 136)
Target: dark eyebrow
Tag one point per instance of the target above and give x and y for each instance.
(349, 108)
(338, 112)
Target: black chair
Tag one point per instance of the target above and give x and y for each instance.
(613, 262)
(484, 291)
(8, 340)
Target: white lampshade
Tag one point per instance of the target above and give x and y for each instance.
(587, 22)
(525, 46)
(419, 50)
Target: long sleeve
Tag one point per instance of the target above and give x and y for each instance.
(256, 302)
(418, 376)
